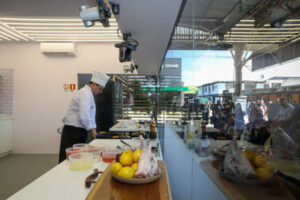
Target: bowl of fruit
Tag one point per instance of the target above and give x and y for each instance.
(248, 167)
(136, 167)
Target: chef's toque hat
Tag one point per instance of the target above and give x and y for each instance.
(99, 78)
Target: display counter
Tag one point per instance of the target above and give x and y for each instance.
(187, 178)
(199, 177)
(62, 183)
(237, 191)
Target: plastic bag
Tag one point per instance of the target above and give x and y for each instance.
(282, 144)
(236, 164)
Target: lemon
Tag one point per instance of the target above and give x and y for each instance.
(249, 154)
(126, 159)
(268, 167)
(263, 173)
(259, 160)
(136, 155)
(128, 151)
(126, 172)
(115, 168)
(134, 166)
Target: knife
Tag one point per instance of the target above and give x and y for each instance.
(126, 143)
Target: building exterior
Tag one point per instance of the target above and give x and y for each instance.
(276, 88)
(225, 89)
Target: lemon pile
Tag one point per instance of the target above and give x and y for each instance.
(128, 164)
(262, 168)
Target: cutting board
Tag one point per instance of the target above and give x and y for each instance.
(106, 188)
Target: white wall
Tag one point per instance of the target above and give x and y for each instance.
(39, 99)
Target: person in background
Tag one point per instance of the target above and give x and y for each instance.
(294, 128)
(255, 113)
(239, 123)
(218, 106)
(219, 120)
(228, 128)
(284, 114)
(80, 118)
(229, 107)
(248, 108)
(264, 109)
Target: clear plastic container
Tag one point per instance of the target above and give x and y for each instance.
(71, 150)
(96, 153)
(81, 146)
(81, 161)
(191, 144)
(204, 146)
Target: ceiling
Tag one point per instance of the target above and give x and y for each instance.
(215, 23)
(42, 8)
(202, 25)
(55, 30)
(58, 21)
(50, 21)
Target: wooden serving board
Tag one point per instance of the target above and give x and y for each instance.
(106, 188)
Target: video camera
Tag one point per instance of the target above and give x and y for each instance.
(126, 47)
(99, 13)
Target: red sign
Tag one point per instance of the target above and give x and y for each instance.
(72, 86)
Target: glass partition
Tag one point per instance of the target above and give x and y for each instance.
(217, 88)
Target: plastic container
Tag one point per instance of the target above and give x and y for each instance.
(191, 144)
(71, 150)
(96, 153)
(81, 146)
(204, 146)
(81, 161)
(109, 154)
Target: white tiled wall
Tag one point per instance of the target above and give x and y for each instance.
(6, 91)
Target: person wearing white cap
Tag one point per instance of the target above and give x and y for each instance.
(80, 118)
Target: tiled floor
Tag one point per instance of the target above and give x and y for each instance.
(18, 170)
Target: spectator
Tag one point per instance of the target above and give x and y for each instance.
(239, 123)
(219, 120)
(248, 108)
(229, 107)
(294, 128)
(284, 114)
(255, 113)
(264, 109)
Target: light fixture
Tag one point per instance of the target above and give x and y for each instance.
(9, 36)
(48, 19)
(68, 28)
(295, 40)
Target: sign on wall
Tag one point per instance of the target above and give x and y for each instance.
(69, 86)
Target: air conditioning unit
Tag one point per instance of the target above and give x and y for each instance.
(58, 49)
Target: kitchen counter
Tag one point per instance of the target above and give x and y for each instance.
(62, 183)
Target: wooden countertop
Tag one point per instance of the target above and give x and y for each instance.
(239, 191)
(106, 188)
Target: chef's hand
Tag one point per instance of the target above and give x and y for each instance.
(93, 132)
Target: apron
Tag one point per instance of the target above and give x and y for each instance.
(71, 135)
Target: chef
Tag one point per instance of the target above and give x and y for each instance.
(80, 118)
